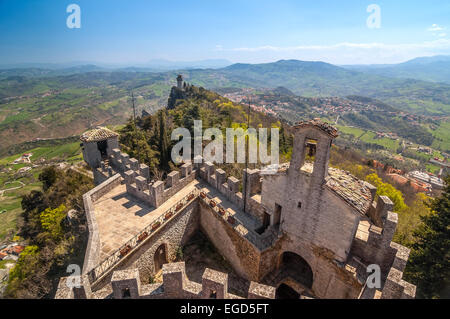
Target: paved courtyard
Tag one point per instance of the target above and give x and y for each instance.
(121, 216)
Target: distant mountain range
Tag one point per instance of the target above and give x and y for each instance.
(303, 78)
(433, 69)
(44, 69)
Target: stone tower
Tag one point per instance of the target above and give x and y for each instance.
(180, 82)
(97, 145)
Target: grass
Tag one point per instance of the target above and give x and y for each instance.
(370, 137)
(11, 200)
(432, 168)
(71, 152)
(442, 136)
(356, 132)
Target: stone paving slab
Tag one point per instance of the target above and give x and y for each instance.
(121, 216)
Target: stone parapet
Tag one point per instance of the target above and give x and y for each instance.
(126, 284)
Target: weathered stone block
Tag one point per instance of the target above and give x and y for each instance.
(214, 285)
(141, 183)
(173, 178)
(126, 284)
(134, 164)
(260, 291)
(174, 277)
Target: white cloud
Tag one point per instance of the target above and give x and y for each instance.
(341, 53)
(442, 35)
(435, 28)
(441, 43)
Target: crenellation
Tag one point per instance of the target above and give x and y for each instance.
(221, 177)
(401, 256)
(379, 211)
(305, 216)
(390, 226)
(157, 192)
(141, 183)
(129, 177)
(144, 171)
(395, 286)
(173, 179)
(174, 277)
(233, 185)
(126, 284)
(134, 164)
(260, 291)
(209, 167)
(214, 285)
(253, 180)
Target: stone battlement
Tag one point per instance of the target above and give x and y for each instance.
(303, 224)
(136, 177)
(176, 285)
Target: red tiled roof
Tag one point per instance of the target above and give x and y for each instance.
(17, 249)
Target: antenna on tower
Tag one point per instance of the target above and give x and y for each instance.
(135, 125)
(247, 141)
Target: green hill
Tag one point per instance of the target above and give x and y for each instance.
(432, 69)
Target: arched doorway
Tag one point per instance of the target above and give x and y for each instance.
(160, 257)
(294, 266)
(286, 292)
(102, 146)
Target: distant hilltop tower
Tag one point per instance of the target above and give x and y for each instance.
(180, 81)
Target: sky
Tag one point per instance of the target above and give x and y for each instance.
(133, 32)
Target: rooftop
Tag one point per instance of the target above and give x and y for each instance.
(353, 190)
(325, 127)
(98, 134)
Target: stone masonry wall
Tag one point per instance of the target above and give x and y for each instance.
(176, 285)
(239, 252)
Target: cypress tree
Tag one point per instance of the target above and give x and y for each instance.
(429, 263)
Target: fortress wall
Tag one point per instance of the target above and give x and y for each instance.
(230, 187)
(174, 234)
(378, 247)
(155, 194)
(92, 254)
(100, 176)
(176, 183)
(175, 285)
(239, 252)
